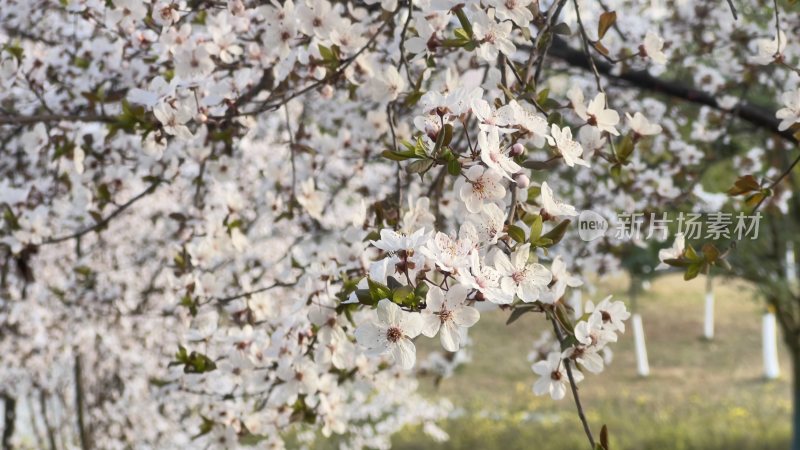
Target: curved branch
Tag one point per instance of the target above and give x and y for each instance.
(104, 221)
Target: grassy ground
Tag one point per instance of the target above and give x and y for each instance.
(700, 395)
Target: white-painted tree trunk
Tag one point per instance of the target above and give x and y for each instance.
(791, 264)
(642, 365)
(770, 347)
(708, 319)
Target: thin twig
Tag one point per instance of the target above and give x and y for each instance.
(398, 172)
(291, 148)
(777, 27)
(573, 385)
(512, 212)
(553, 13)
(403, 59)
(778, 180)
(585, 40)
(733, 10)
(276, 284)
(340, 70)
(103, 222)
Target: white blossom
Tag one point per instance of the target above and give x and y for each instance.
(391, 334)
(446, 314)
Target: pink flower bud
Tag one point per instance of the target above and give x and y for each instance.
(517, 149)
(522, 180)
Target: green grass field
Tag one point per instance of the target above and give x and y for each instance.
(707, 395)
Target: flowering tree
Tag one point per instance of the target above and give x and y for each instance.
(239, 217)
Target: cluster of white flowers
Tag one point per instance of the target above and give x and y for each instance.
(593, 333)
(223, 222)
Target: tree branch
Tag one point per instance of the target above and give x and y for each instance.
(103, 222)
(757, 115)
(572, 383)
(42, 118)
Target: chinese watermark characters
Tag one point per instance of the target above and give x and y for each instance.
(641, 226)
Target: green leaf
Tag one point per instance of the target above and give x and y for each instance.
(607, 19)
(448, 134)
(421, 291)
(420, 148)
(516, 233)
(538, 165)
(403, 295)
(412, 98)
(464, 21)
(557, 232)
(82, 63)
(625, 149)
(327, 54)
(454, 167)
(11, 219)
(677, 262)
(691, 253)
(189, 303)
(519, 311)
(193, 362)
(398, 156)
(533, 193)
(536, 228)
(565, 317)
(205, 427)
(543, 95)
(616, 172)
(462, 34)
(692, 271)
(562, 29)
(365, 297)
(15, 50)
(377, 290)
(251, 439)
(420, 166)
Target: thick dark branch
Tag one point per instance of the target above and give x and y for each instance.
(757, 115)
(28, 120)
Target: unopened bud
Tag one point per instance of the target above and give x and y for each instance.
(327, 92)
(517, 149)
(431, 131)
(522, 180)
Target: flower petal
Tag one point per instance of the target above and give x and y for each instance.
(465, 316)
(404, 353)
